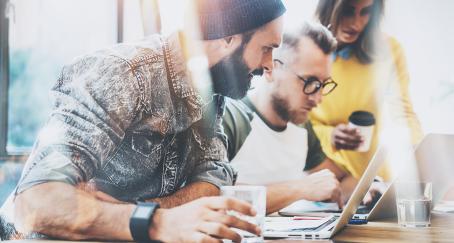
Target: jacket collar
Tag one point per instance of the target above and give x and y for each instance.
(344, 53)
(180, 79)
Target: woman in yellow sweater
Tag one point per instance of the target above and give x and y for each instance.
(371, 71)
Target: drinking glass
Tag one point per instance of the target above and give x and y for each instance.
(414, 201)
(256, 196)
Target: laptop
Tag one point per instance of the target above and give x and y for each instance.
(434, 163)
(337, 222)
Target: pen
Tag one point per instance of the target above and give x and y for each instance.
(307, 218)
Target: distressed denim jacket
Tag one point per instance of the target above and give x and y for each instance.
(129, 120)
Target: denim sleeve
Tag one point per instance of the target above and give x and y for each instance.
(95, 100)
(210, 150)
(211, 164)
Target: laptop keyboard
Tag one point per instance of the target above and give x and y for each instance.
(317, 228)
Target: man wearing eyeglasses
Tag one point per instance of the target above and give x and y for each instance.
(267, 143)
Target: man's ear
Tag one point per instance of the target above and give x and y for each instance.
(218, 49)
(230, 43)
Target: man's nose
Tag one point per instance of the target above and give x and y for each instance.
(316, 97)
(267, 62)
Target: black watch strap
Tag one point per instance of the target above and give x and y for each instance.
(140, 221)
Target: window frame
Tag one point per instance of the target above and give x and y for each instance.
(4, 77)
(20, 155)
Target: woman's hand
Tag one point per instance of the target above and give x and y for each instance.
(344, 137)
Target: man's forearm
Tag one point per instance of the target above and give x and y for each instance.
(60, 210)
(347, 181)
(279, 196)
(188, 193)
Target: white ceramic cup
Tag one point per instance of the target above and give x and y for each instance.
(364, 121)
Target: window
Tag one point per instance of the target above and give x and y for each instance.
(44, 35)
(37, 38)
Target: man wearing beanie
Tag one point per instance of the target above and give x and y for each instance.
(130, 141)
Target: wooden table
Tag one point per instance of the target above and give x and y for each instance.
(442, 230)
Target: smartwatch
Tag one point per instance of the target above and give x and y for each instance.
(140, 221)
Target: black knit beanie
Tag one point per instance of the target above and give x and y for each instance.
(222, 18)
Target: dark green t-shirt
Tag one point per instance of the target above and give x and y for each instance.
(237, 118)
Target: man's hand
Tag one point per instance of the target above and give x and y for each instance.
(376, 190)
(202, 220)
(321, 186)
(344, 137)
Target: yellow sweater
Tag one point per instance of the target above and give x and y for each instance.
(366, 87)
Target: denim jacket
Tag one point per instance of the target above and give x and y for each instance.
(129, 120)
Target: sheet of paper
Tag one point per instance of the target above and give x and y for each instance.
(310, 206)
(294, 223)
(445, 207)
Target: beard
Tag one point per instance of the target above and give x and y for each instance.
(283, 110)
(231, 76)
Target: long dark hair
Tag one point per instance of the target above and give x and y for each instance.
(330, 12)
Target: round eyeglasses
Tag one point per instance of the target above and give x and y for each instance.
(312, 84)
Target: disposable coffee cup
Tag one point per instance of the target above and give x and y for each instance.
(364, 121)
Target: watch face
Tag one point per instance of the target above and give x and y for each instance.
(142, 212)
